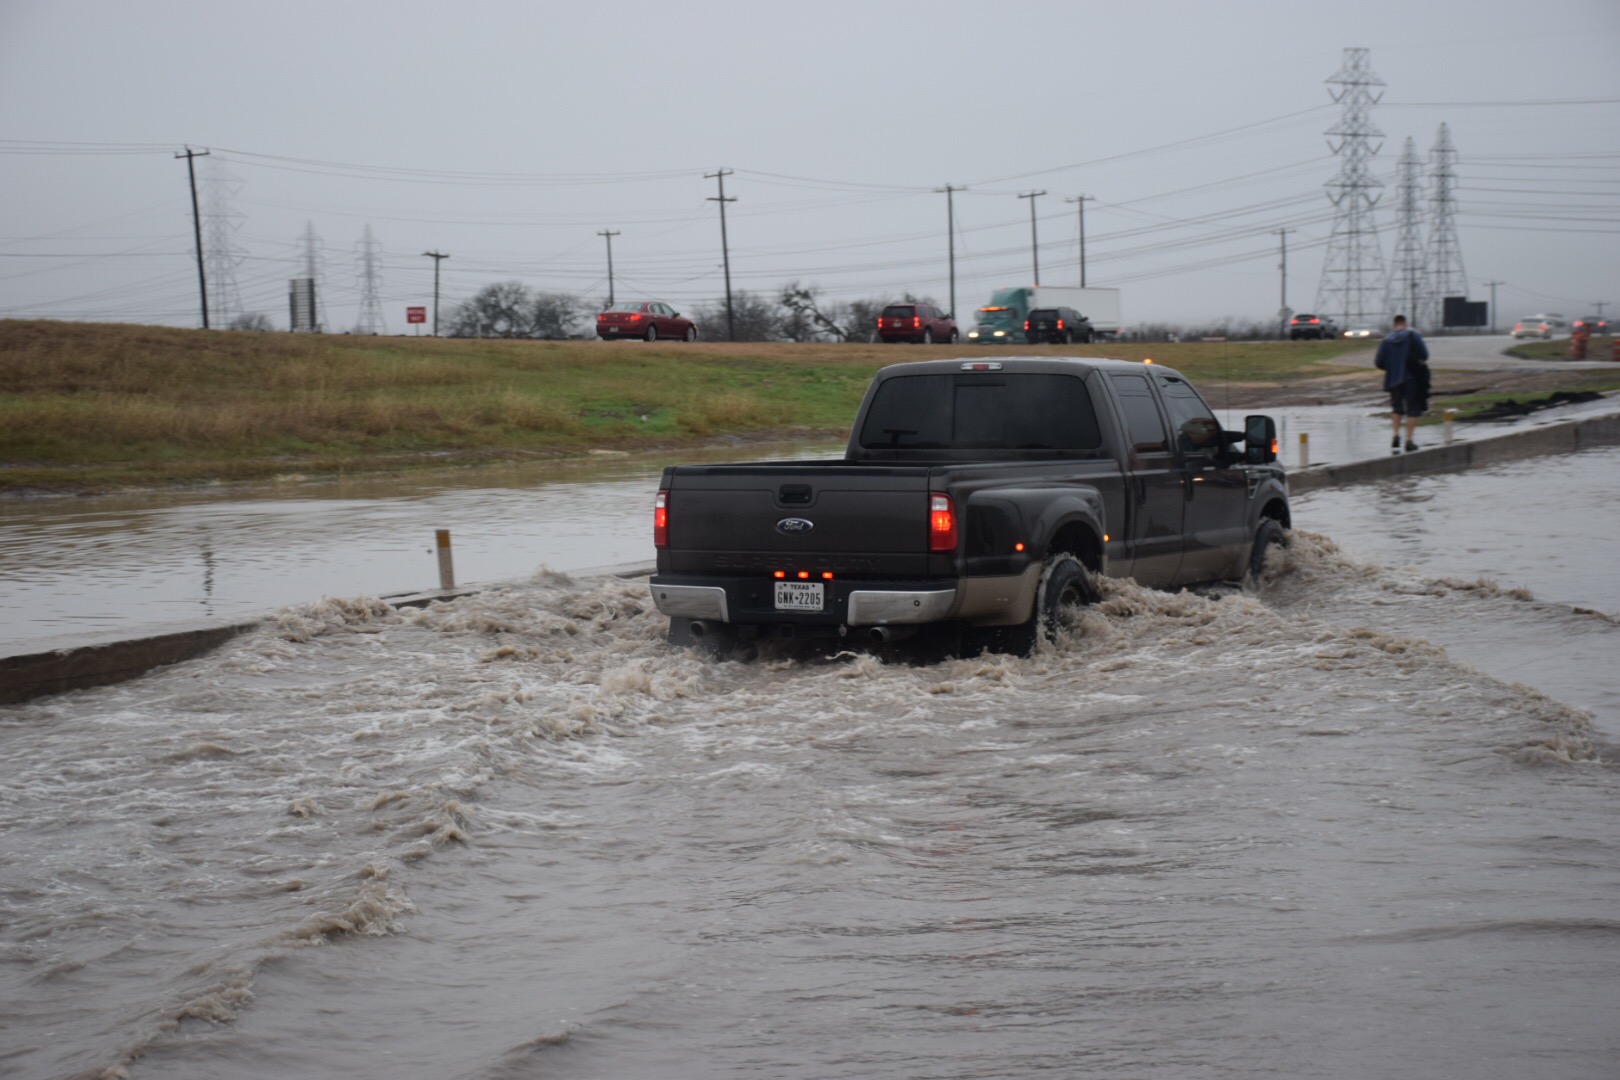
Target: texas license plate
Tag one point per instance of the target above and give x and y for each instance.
(799, 595)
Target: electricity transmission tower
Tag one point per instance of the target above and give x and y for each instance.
(222, 255)
(312, 270)
(1446, 274)
(371, 313)
(1353, 271)
(1408, 267)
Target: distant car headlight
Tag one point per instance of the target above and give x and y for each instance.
(973, 333)
(1001, 333)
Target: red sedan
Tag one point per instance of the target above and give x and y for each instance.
(648, 320)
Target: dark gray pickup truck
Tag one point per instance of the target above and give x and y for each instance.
(976, 497)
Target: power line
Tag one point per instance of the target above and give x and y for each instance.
(437, 257)
(1034, 245)
(725, 247)
(196, 225)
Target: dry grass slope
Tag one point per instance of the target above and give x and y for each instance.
(95, 405)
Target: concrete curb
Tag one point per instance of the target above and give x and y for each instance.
(34, 675)
(38, 674)
(1561, 438)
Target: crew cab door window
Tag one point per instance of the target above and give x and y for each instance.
(1196, 429)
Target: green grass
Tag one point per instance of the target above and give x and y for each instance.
(89, 406)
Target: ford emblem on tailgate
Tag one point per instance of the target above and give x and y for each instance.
(790, 526)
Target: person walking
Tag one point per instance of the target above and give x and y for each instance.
(1404, 360)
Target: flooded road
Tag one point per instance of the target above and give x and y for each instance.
(1288, 832)
(77, 571)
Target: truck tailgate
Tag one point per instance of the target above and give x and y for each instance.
(848, 519)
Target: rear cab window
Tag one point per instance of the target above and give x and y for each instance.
(974, 411)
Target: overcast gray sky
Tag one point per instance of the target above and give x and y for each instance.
(508, 134)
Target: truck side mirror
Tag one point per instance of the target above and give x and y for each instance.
(1259, 440)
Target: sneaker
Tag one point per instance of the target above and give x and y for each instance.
(1411, 446)
(1395, 443)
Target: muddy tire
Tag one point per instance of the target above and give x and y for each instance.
(1269, 533)
(1066, 585)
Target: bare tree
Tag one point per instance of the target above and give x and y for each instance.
(554, 315)
(756, 318)
(502, 310)
(251, 320)
(802, 317)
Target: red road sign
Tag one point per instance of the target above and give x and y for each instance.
(416, 314)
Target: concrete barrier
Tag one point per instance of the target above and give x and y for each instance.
(38, 674)
(34, 675)
(1561, 438)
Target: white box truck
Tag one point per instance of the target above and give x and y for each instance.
(1001, 321)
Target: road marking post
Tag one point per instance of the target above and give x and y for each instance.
(447, 570)
(1451, 416)
(1304, 449)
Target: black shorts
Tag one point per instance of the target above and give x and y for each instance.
(1410, 398)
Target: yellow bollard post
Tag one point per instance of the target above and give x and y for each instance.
(447, 570)
(1451, 416)
(1304, 449)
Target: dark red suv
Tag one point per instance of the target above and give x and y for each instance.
(915, 322)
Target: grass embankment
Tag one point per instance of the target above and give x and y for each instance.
(88, 406)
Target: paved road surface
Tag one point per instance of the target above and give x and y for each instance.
(1483, 353)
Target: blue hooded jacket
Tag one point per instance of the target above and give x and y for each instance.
(1399, 355)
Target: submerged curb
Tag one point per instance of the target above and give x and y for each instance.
(35, 675)
(1561, 438)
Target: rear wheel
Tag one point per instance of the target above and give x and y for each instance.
(652, 333)
(954, 336)
(691, 333)
(928, 336)
(1066, 587)
(1068, 337)
(1270, 534)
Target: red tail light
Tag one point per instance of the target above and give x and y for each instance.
(941, 523)
(637, 318)
(916, 322)
(1315, 321)
(1060, 324)
(661, 520)
(1026, 324)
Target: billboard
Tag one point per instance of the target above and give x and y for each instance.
(1460, 311)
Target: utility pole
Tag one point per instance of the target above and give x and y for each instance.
(950, 236)
(1493, 285)
(1034, 245)
(196, 227)
(725, 246)
(1282, 309)
(1600, 305)
(1082, 200)
(610, 235)
(437, 257)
